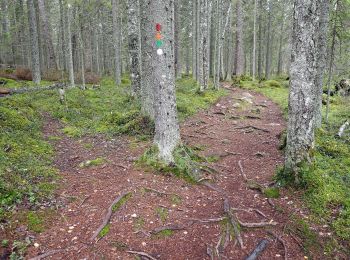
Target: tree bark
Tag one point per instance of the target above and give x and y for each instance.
(69, 53)
(239, 52)
(167, 134)
(268, 44)
(147, 48)
(134, 45)
(254, 41)
(177, 39)
(47, 34)
(34, 42)
(116, 41)
(303, 73)
(260, 69)
(322, 46)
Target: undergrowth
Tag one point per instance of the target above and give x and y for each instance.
(326, 183)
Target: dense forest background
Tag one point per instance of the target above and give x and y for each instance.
(232, 114)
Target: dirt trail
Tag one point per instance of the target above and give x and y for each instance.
(86, 193)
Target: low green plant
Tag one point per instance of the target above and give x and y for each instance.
(162, 213)
(94, 162)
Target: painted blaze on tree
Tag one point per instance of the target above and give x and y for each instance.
(167, 135)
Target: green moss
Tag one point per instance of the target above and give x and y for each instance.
(72, 131)
(163, 234)
(121, 202)
(272, 84)
(35, 222)
(104, 231)
(90, 163)
(272, 193)
(162, 213)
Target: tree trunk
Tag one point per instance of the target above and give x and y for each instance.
(260, 70)
(268, 44)
(177, 39)
(303, 74)
(167, 134)
(280, 53)
(69, 53)
(254, 41)
(194, 38)
(62, 36)
(34, 42)
(47, 34)
(134, 45)
(239, 52)
(322, 46)
(116, 41)
(147, 48)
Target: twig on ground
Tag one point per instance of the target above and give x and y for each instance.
(281, 241)
(256, 225)
(108, 215)
(47, 254)
(141, 254)
(242, 171)
(258, 250)
(84, 200)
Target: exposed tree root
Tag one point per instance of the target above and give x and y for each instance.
(108, 216)
(253, 185)
(252, 127)
(233, 221)
(47, 254)
(172, 227)
(141, 254)
(161, 193)
(249, 210)
(281, 241)
(257, 225)
(258, 250)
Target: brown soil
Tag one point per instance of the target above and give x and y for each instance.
(86, 193)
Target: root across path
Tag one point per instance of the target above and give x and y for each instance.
(167, 217)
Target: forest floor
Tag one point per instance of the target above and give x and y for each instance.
(242, 129)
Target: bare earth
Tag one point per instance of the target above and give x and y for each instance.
(86, 193)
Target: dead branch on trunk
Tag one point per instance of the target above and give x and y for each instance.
(141, 254)
(258, 250)
(47, 254)
(108, 216)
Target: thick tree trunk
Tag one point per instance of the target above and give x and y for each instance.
(116, 41)
(47, 34)
(147, 47)
(134, 45)
(62, 37)
(303, 74)
(322, 46)
(34, 42)
(167, 134)
(239, 52)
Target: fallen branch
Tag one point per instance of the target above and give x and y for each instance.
(258, 250)
(342, 128)
(108, 215)
(47, 254)
(257, 225)
(141, 254)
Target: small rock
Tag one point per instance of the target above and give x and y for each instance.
(36, 245)
(134, 215)
(185, 232)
